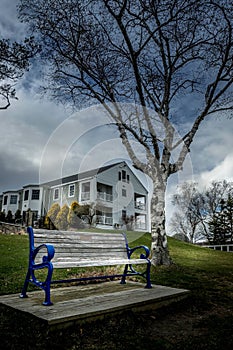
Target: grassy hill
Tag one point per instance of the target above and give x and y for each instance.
(204, 321)
(192, 264)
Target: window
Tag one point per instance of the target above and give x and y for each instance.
(5, 200)
(36, 194)
(26, 195)
(123, 215)
(13, 199)
(124, 175)
(56, 193)
(71, 190)
(85, 195)
(124, 194)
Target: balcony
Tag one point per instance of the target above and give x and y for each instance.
(105, 197)
(140, 226)
(139, 205)
(104, 220)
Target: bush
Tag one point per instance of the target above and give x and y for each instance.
(61, 221)
(51, 216)
(18, 216)
(9, 217)
(74, 219)
(2, 216)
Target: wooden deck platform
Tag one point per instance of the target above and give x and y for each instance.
(86, 302)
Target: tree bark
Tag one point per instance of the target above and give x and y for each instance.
(159, 247)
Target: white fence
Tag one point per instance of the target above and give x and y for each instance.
(222, 247)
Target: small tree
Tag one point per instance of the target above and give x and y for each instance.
(186, 219)
(87, 213)
(201, 213)
(18, 216)
(74, 219)
(51, 216)
(9, 217)
(229, 217)
(129, 222)
(61, 221)
(2, 216)
(29, 217)
(221, 225)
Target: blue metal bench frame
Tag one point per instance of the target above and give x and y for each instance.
(47, 263)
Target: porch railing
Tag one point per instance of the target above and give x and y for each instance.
(103, 196)
(104, 220)
(140, 206)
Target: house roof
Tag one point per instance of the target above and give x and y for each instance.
(76, 177)
(11, 191)
(80, 176)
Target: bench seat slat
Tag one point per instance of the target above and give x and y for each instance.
(87, 263)
(78, 238)
(79, 256)
(70, 235)
(76, 246)
(86, 257)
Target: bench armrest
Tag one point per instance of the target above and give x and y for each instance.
(142, 256)
(50, 252)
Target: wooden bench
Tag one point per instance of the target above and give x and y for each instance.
(68, 249)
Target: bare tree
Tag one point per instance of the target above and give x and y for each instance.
(14, 61)
(196, 209)
(156, 55)
(189, 203)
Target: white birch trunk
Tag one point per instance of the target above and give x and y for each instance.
(159, 246)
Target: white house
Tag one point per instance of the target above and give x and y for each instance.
(11, 201)
(31, 198)
(115, 189)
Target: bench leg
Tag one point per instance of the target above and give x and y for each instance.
(47, 301)
(46, 288)
(148, 282)
(25, 286)
(123, 277)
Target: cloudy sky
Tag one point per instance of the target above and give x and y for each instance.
(39, 139)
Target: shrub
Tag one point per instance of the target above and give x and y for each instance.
(2, 216)
(18, 216)
(9, 217)
(51, 216)
(61, 221)
(74, 219)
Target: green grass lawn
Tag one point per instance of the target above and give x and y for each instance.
(204, 321)
(193, 266)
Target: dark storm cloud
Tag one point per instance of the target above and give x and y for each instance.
(28, 124)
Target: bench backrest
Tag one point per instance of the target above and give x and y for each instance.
(83, 245)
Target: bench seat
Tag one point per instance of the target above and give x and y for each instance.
(69, 263)
(52, 249)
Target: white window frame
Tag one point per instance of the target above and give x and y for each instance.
(56, 190)
(71, 190)
(15, 197)
(35, 194)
